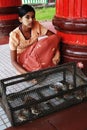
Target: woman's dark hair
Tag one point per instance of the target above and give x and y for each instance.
(24, 9)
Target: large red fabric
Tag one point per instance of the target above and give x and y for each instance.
(39, 55)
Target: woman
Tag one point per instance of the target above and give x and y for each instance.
(28, 51)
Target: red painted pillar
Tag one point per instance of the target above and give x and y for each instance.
(8, 18)
(70, 22)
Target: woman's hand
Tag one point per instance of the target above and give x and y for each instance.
(56, 58)
(80, 65)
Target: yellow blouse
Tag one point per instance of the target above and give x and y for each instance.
(17, 40)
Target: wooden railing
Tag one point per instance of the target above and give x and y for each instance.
(34, 1)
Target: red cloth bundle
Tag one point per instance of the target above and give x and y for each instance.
(39, 55)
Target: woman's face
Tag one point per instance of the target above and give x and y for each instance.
(28, 19)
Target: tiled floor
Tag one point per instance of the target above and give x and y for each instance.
(4, 122)
(6, 70)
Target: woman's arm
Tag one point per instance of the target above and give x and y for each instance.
(14, 62)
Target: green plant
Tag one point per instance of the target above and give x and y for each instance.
(46, 13)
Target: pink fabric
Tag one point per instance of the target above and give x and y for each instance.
(39, 55)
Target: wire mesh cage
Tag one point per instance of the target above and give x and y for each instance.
(33, 95)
